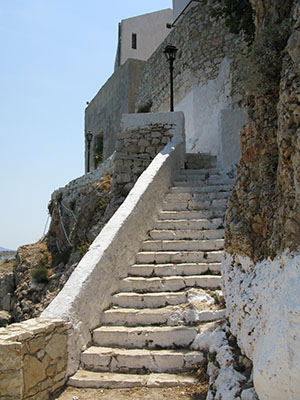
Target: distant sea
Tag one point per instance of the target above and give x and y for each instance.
(7, 255)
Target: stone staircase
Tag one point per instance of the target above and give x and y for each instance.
(146, 334)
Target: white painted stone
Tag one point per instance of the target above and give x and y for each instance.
(144, 337)
(177, 197)
(148, 300)
(187, 234)
(212, 125)
(97, 275)
(90, 379)
(224, 180)
(184, 269)
(201, 189)
(200, 224)
(187, 214)
(115, 359)
(263, 305)
(249, 394)
(136, 317)
(178, 257)
(193, 244)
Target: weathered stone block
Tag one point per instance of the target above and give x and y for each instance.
(11, 384)
(123, 178)
(143, 143)
(150, 149)
(57, 346)
(11, 355)
(36, 344)
(34, 372)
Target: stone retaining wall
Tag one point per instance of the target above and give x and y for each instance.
(136, 148)
(33, 359)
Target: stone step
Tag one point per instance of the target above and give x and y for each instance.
(198, 224)
(182, 245)
(167, 234)
(177, 197)
(200, 171)
(201, 189)
(212, 213)
(109, 380)
(211, 180)
(200, 160)
(202, 176)
(139, 360)
(169, 283)
(149, 337)
(149, 300)
(163, 257)
(193, 205)
(155, 316)
(151, 270)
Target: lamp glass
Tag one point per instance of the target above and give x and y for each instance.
(89, 136)
(170, 52)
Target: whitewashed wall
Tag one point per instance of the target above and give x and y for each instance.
(212, 125)
(150, 29)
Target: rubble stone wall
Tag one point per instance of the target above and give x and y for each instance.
(33, 359)
(136, 148)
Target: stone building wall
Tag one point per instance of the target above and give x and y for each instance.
(103, 114)
(206, 85)
(33, 359)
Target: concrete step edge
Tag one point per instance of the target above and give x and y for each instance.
(90, 379)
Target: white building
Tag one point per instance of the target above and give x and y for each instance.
(140, 36)
(180, 5)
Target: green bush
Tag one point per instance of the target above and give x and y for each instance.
(98, 148)
(238, 16)
(40, 274)
(145, 108)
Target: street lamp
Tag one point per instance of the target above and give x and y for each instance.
(89, 137)
(170, 53)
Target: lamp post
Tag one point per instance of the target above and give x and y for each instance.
(170, 53)
(89, 137)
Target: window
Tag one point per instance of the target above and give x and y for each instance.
(133, 41)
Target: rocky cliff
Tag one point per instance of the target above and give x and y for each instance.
(261, 264)
(39, 271)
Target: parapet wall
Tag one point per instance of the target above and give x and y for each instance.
(90, 287)
(33, 359)
(136, 147)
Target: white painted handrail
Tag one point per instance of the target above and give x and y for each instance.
(88, 291)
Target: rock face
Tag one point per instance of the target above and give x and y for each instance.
(261, 267)
(40, 270)
(263, 305)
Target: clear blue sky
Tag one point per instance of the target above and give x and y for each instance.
(55, 56)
